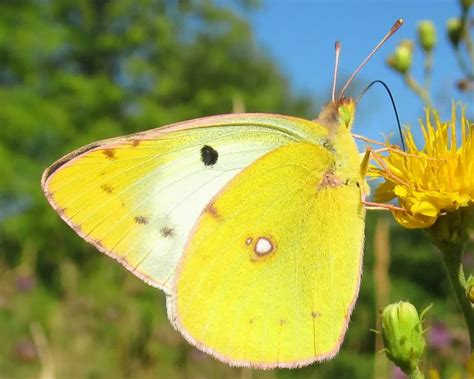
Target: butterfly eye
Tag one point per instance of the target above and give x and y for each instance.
(345, 115)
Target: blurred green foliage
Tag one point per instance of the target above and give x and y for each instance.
(75, 71)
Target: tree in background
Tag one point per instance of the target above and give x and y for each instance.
(72, 72)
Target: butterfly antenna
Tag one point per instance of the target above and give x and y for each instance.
(393, 105)
(392, 31)
(336, 67)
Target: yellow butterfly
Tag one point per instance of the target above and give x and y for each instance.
(252, 224)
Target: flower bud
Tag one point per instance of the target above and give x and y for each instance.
(402, 333)
(454, 28)
(427, 35)
(402, 58)
(465, 85)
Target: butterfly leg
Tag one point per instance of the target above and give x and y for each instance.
(386, 169)
(369, 204)
(396, 150)
(393, 149)
(368, 140)
(382, 207)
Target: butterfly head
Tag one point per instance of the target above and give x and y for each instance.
(338, 116)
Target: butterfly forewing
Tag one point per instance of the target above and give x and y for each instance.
(137, 198)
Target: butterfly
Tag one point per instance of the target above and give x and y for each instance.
(252, 225)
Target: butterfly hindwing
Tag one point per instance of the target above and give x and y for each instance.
(137, 198)
(271, 272)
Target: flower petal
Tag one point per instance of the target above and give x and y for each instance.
(424, 208)
(413, 222)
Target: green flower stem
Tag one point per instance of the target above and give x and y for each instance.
(416, 373)
(467, 39)
(428, 69)
(450, 235)
(462, 63)
(419, 90)
(452, 259)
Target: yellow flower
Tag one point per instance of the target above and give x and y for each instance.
(431, 181)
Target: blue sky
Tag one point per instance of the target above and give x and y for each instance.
(300, 35)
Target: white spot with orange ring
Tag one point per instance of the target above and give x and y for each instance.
(263, 246)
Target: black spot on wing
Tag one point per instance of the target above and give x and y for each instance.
(141, 220)
(107, 188)
(209, 155)
(109, 153)
(166, 231)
